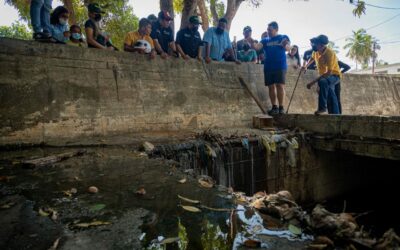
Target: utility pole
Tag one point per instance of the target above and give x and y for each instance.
(375, 46)
(373, 57)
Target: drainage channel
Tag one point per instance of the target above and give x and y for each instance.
(139, 201)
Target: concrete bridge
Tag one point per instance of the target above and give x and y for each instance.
(55, 95)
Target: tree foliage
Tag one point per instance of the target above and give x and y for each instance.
(333, 47)
(118, 20)
(360, 47)
(359, 9)
(17, 30)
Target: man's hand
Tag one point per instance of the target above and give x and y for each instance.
(304, 69)
(152, 55)
(238, 62)
(185, 57)
(284, 42)
(110, 48)
(208, 59)
(309, 85)
(164, 55)
(67, 34)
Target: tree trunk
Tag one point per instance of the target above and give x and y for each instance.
(204, 14)
(168, 5)
(231, 10)
(214, 13)
(72, 18)
(189, 9)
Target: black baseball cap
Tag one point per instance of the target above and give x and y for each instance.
(152, 18)
(95, 8)
(223, 20)
(247, 28)
(321, 39)
(164, 15)
(194, 20)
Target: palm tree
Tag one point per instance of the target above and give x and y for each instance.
(360, 47)
(333, 47)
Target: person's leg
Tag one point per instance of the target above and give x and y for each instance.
(45, 15)
(269, 82)
(332, 98)
(36, 6)
(337, 92)
(280, 88)
(272, 94)
(323, 84)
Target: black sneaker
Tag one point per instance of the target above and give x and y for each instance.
(273, 111)
(41, 36)
(281, 110)
(320, 112)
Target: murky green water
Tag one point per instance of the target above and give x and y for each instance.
(118, 173)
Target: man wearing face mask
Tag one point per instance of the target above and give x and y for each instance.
(329, 70)
(163, 36)
(218, 43)
(188, 40)
(94, 36)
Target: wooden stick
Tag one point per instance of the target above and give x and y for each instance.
(252, 95)
(44, 161)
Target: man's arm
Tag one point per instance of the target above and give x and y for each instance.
(286, 43)
(345, 67)
(90, 39)
(180, 51)
(199, 51)
(207, 43)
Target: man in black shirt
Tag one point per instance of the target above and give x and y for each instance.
(163, 36)
(188, 40)
(306, 58)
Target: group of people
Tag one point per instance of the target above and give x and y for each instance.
(155, 36)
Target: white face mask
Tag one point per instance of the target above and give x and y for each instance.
(63, 21)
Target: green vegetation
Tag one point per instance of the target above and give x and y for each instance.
(17, 30)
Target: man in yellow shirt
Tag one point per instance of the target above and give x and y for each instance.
(140, 41)
(328, 68)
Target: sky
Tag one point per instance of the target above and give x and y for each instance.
(299, 19)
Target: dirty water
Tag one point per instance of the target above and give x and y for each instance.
(51, 206)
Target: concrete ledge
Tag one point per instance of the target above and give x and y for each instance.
(51, 93)
(376, 127)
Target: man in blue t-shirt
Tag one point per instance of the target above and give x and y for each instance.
(218, 45)
(275, 47)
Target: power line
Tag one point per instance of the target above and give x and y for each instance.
(372, 27)
(390, 42)
(382, 7)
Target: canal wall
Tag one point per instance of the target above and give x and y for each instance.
(56, 94)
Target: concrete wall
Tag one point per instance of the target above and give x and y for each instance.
(51, 93)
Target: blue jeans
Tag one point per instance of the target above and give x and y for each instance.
(337, 92)
(327, 94)
(40, 15)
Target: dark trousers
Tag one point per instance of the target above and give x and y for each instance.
(337, 92)
(327, 95)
